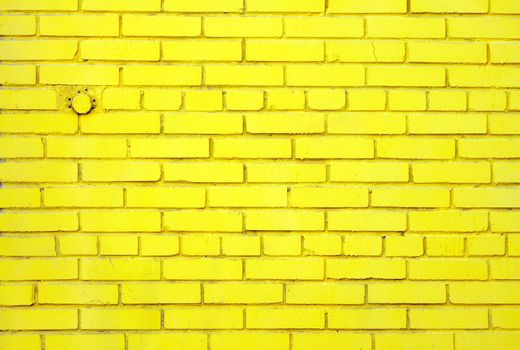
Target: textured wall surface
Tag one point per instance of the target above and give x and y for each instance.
(260, 174)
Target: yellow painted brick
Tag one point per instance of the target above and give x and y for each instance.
(17, 74)
(121, 5)
(203, 100)
(119, 269)
(97, 318)
(368, 6)
(120, 171)
(203, 123)
(486, 197)
(202, 50)
(286, 123)
(250, 341)
(483, 76)
(75, 74)
(17, 24)
(365, 51)
(285, 100)
(284, 50)
(162, 99)
(489, 100)
(158, 26)
(506, 172)
(78, 245)
(121, 98)
(38, 269)
(505, 318)
(251, 75)
(121, 123)
(160, 293)
(407, 100)
(120, 221)
(504, 124)
(242, 293)
(162, 75)
(409, 341)
(325, 293)
(404, 246)
(504, 52)
(326, 99)
(79, 25)
(321, 245)
(358, 171)
(446, 6)
(39, 5)
(27, 246)
(27, 99)
(156, 340)
(285, 6)
(407, 293)
(202, 6)
(219, 221)
(252, 148)
(29, 342)
(21, 147)
(505, 6)
(244, 100)
(485, 293)
(366, 100)
(333, 147)
(44, 123)
(328, 197)
(208, 245)
(247, 196)
(16, 294)
(489, 148)
(165, 197)
(86, 147)
(367, 318)
(159, 245)
(274, 318)
(38, 319)
(204, 172)
(447, 269)
(30, 50)
(477, 27)
(118, 245)
(324, 75)
(85, 341)
(330, 341)
(513, 244)
(285, 220)
(505, 269)
(415, 148)
(250, 27)
(448, 318)
(507, 221)
(457, 221)
(414, 197)
(363, 245)
(405, 27)
(236, 245)
(203, 318)
(446, 100)
(77, 293)
(285, 172)
(328, 27)
(203, 269)
(406, 76)
(282, 245)
(367, 220)
(285, 269)
(451, 172)
(169, 147)
(364, 268)
(34, 221)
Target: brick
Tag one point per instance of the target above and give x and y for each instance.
(120, 319)
(329, 99)
(285, 6)
(77, 293)
(286, 123)
(163, 99)
(202, 6)
(360, 171)
(202, 50)
(247, 196)
(370, 6)
(446, 6)
(251, 148)
(219, 221)
(208, 245)
(405, 27)
(17, 25)
(162, 75)
(489, 148)
(513, 245)
(505, 221)
(504, 340)
(160, 293)
(284, 269)
(505, 318)
(476, 27)
(30, 99)
(415, 148)
(203, 318)
(504, 172)
(38, 171)
(204, 172)
(21, 147)
(19, 197)
(362, 245)
(365, 268)
(330, 340)
(288, 220)
(78, 245)
(447, 124)
(17, 74)
(156, 340)
(244, 100)
(85, 341)
(16, 295)
(38, 319)
(75, 74)
(159, 245)
(34, 221)
(284, 50)
(452, 172)
(446, 100)
(196, 147)
(120, 221)
(118, 245)
(121, 98)
(79, 25)
(407, 293)
(203, 123)
(487, 100)
(365, 220)
(406, 76)
(203, 269)
(243, 293)
(285, 100)
(483, 76)
(38, 269)
(288, 245)
(504, 124)
(404, 246)
(410, 197)
(250, 340)
(408, 341)
(165, 197)
(121, 5)
(447, 269)
(248, 27)
(407, 100)
(285, 172)
(274, 318)
(367, 318)
(325, 293)
(250, 75)
(203, 100)
(38, 122)
(161, 26)
(27, 246)
(321, 244)
(328, 197)
(323, 27)
(457, 221)
(39, 5)
(107, 171)
(325, 75)
(85, 147)
(237, 245)
(110, 269)
(333, 147)
(448, 318)
(121, 123)
(505, 269)
(30, 50)
(484, 293)
(365, 51)
(486, 197)
(366, 100)
(505, 6)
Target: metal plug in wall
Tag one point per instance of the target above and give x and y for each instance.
(82, 103)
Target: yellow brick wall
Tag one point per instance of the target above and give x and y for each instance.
(260, 175)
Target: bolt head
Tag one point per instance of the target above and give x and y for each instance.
(81, 104)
